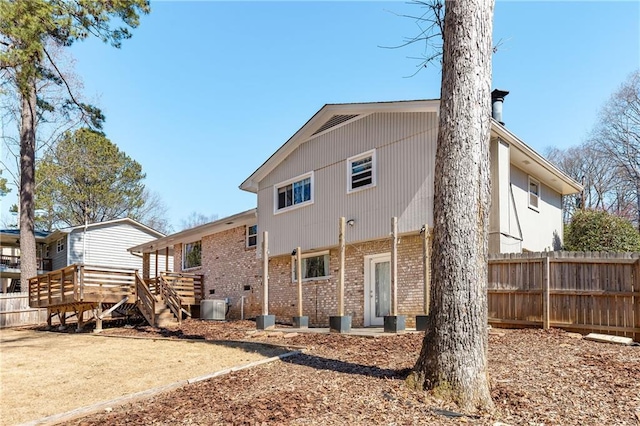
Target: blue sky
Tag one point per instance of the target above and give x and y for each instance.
(204, 92)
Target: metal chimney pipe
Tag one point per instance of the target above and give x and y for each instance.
(497, 98)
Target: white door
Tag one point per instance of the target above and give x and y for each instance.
(377, 297)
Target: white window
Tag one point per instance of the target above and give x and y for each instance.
(192, 255)
(361, 171)
(293, 193)
(60, 245)
(252, 235)
(534, 193)
(315, 266)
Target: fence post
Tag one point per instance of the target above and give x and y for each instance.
(545, 292)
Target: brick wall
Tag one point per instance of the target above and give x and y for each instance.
(228, 267)
(230, 270)
(320, 297)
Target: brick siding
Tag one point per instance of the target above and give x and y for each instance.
(228, 266)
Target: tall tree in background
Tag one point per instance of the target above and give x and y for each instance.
(87, 178)
(26, 29)
(608, 162)
(617, 135)
(453, 359)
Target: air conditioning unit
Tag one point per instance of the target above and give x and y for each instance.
(213, 309)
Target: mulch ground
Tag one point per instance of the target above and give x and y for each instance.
(537, 378)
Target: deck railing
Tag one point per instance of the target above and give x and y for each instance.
(13, 262)
(82, 283)
(187, 286)
(171, 298)
(146, 300)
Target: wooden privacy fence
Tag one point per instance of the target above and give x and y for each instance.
(15, 311)
(584, 292)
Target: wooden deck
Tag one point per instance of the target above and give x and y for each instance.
(79, 288)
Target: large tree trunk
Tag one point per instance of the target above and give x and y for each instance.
(453, 360)
(28, 261)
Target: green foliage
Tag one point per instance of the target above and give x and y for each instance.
(4, 189)
(26, 26)
(592, 230)
(87, 176)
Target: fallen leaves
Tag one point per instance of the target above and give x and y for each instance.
(537, 378)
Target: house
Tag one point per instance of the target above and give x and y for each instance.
(223, 252)
(369, 162)
(10, 258)
(102, 243)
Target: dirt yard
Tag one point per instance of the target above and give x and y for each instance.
(45, 373)
(537, 378)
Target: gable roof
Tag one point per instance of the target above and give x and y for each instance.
(525, 158)
(331, 116)
(196, 233)
(125, 220)
(328, 118)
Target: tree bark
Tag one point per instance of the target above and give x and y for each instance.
(453, 359)
(28, 261)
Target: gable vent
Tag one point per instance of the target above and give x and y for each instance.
(334, 121)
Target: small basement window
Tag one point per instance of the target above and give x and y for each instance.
(294, 193)
(252, 236)
(361, 171)
(315, 266)
(534, 193)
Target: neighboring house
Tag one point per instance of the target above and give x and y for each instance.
(10, 257)
(223, 252)
(370, 162)
(100, 244)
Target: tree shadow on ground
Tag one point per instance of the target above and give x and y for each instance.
(322, 363)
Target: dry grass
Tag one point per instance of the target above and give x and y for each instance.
(44, 373)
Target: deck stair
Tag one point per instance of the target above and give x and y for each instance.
(163, 301)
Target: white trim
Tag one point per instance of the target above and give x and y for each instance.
(247, 235)
(327, 111)
(277, 186)
(184, 251)
(337, 126)
(368, 260)
(305, 256)
(198, 232)
(537, 183)
(374, 174)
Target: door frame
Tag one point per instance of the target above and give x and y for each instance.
(369, 286)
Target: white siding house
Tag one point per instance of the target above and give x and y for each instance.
(101, 244)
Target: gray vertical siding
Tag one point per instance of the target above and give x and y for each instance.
(107, 245)
(405, 146)
(59, 260)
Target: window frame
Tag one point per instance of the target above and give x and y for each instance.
(184, 255)
(60, 245)
(276, 187)
(248, 235)
(536, 182)
(371, 153)
(327, 276)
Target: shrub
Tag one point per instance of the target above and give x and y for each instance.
(592, 230)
